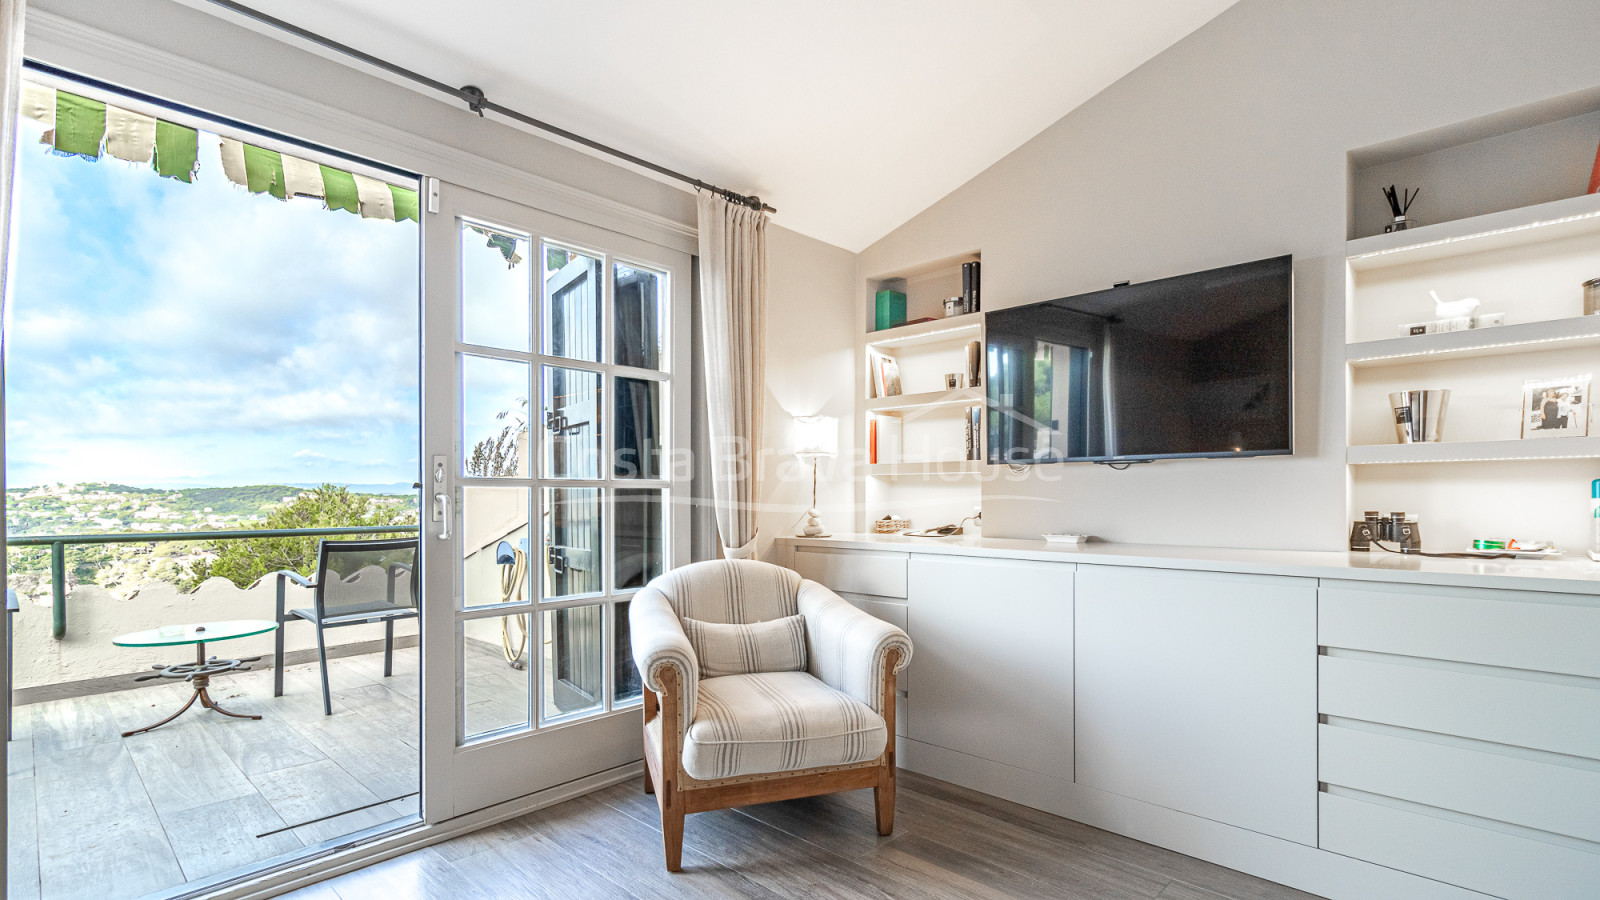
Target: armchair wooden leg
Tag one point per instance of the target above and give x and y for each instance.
(649, 786)
(672, 833)
(883, 797)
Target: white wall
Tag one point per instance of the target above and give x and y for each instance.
(1232, 146)
(810, 371)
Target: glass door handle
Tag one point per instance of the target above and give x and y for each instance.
(441, 514)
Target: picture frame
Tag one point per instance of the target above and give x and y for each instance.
(889, 376)
(1556, 407)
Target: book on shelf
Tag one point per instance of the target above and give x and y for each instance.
(872, 441)
(970, 288)
(974, 363)
(974, 432)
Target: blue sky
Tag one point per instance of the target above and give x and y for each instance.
(162, 333)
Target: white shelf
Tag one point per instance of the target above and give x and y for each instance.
(1476, 234)
(932, 467)
(968, 327)
(1500, 340)
(1474, 451)
(930, 400)
(926, 267)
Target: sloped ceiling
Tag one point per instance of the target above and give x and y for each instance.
(849, 116)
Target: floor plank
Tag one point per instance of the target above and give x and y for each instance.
(185, 798)
(95, 818)
(220, 837)
(182, 767)
(318, 789)
(22, 839)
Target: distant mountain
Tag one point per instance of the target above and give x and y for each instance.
(398, 487)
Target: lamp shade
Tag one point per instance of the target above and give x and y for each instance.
(816, 436)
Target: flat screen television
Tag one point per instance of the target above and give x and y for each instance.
(1198, 365)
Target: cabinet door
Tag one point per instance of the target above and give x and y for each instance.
(993, 652)
(1197, 691)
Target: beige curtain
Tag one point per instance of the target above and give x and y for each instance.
(733, 317)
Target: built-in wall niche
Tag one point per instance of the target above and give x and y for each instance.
(1483, 479)
(1508, 160)
(926, 286)
(923, 457)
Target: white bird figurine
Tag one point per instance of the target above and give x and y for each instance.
(1454, 308)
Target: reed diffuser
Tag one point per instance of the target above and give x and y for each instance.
(1399, 204)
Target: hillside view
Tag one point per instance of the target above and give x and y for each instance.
(105, 508)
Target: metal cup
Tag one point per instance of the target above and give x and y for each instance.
(1418, 415)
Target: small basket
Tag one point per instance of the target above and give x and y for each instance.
(889, 526)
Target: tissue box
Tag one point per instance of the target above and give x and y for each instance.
(1458, 323)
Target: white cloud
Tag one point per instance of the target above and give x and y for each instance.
(161, 328)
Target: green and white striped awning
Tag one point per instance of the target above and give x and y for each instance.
(87, 127)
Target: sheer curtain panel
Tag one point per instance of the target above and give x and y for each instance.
(733, 315)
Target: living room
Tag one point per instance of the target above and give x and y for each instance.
(1327, 628)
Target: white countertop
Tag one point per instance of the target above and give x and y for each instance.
(1567, 575)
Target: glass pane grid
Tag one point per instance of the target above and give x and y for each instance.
(601, 501)
(495, 692)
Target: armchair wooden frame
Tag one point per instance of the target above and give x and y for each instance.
(678, 794)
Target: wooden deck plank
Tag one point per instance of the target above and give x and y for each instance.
(182, 767)
(221, 836)
(22, 839)
(94, 818)
(382, 763)
(319, 789)
(268, 745)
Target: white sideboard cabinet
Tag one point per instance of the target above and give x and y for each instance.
(993, 650)
(1360, 726)
(1197, 691)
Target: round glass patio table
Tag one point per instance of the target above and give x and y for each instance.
(199, 672)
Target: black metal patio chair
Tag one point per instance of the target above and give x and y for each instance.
(357, 583)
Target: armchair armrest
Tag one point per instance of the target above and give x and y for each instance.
(846, 647)
(658, 642)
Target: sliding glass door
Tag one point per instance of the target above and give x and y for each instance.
(554, 370)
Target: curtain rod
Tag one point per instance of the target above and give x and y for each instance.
(477, 102)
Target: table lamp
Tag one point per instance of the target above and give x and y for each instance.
(814, 438)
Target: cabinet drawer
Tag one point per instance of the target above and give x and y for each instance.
(1517, 629)
(855, 571)
(1459, 853)
(1549, 797)
(1562, 718)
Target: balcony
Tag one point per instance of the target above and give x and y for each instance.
(93, 814)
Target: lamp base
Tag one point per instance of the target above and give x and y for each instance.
(813, 527)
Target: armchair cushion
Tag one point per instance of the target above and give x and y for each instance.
(730, 590)
(778, 645)
(777, 722)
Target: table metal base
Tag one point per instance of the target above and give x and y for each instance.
(197, 673)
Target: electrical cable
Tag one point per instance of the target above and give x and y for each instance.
(1379, 544)
(511, 582)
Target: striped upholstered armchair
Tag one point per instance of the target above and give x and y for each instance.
(761, 686)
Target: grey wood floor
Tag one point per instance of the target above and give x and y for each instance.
(948, 843)
(95, 815)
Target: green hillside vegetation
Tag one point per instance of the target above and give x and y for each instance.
(108, 508)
